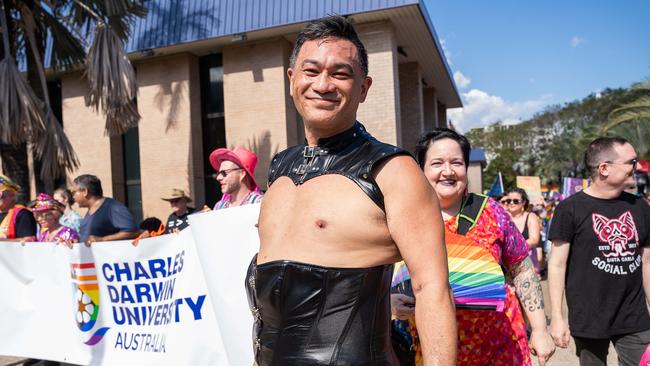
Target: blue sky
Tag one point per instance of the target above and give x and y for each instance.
(513, 58)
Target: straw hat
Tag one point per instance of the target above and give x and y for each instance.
(176, 194)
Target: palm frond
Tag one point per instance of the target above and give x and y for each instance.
(632, 111)
(121, 119)
(21, 111)
(54, 150)
(112, 82)
(67, 47)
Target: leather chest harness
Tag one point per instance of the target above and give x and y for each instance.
(352, 153)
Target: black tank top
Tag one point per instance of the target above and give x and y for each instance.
(524, 232)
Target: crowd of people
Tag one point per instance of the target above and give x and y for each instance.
(51, 218)
(343, 207)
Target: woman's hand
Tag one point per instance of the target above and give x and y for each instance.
(402, 306)
(541, 345)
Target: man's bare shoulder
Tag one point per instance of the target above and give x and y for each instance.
(398, 170)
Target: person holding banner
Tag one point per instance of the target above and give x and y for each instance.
(106, 219)
(236, 175)
(47, 212)
(16, 222)
(486, 337)
(335, 218)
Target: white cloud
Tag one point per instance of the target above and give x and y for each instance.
(576, 41)
(461, 80)
(482, 109)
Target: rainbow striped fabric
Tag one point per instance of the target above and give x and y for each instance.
(476, 278)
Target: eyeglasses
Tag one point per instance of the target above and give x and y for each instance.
(509, 201)
(224, 173)
(633, 162)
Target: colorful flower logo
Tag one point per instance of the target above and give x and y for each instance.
(87, 300)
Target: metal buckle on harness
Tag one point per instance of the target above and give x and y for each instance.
(309, 152)
(301, 169)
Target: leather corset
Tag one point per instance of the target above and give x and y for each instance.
(310, 315)
(352, 153)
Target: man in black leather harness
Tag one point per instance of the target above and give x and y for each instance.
(339, 211)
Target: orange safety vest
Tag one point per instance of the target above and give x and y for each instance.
(8, 224)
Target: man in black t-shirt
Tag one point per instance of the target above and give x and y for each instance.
(601, 255)
(16, 221)
(177, 220)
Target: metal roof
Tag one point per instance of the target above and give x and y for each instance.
(189, 23)
(171, 22)
(174, 24)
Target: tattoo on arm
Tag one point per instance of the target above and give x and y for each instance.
(527, 286)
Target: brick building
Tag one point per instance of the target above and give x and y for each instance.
(213, 73)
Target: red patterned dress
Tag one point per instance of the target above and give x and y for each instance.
(489, 337)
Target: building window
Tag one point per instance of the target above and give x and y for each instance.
(212, 120)
(132, 183)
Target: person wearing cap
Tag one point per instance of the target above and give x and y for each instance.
(47, 212)
(178, 201)
(236, 175)
(16, 222)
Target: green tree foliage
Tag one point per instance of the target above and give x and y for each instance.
(636, 110)
(551, 144)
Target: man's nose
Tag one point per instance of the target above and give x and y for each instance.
(322, 84)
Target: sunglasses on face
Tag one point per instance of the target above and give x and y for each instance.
(224, 173)
(509, 201)
(633, 162)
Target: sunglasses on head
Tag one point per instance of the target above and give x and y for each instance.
(509, 201)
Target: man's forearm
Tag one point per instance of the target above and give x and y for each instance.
(556, 277)
(529, 292)
(121, 235)
(436, 323)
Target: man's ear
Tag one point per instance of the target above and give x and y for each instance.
(603, 169)
(365, 86)
(290, 76)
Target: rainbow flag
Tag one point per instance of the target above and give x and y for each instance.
(476, 278)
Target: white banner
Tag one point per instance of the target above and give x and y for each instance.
(146, 305)
(226, 241)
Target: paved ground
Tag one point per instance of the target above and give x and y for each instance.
(560, 358)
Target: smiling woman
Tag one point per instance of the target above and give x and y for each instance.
(485, 337)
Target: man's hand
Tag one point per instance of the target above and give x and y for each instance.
(27, 239)
(541, 345)
(92, 239)
(402, 306)
(560, 332)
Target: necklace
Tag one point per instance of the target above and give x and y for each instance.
(50, 235)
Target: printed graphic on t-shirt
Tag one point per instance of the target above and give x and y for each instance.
(619, 240)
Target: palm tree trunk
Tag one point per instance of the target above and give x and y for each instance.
(14, 157)
(36, 79)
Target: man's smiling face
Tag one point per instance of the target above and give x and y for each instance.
(327, 83)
